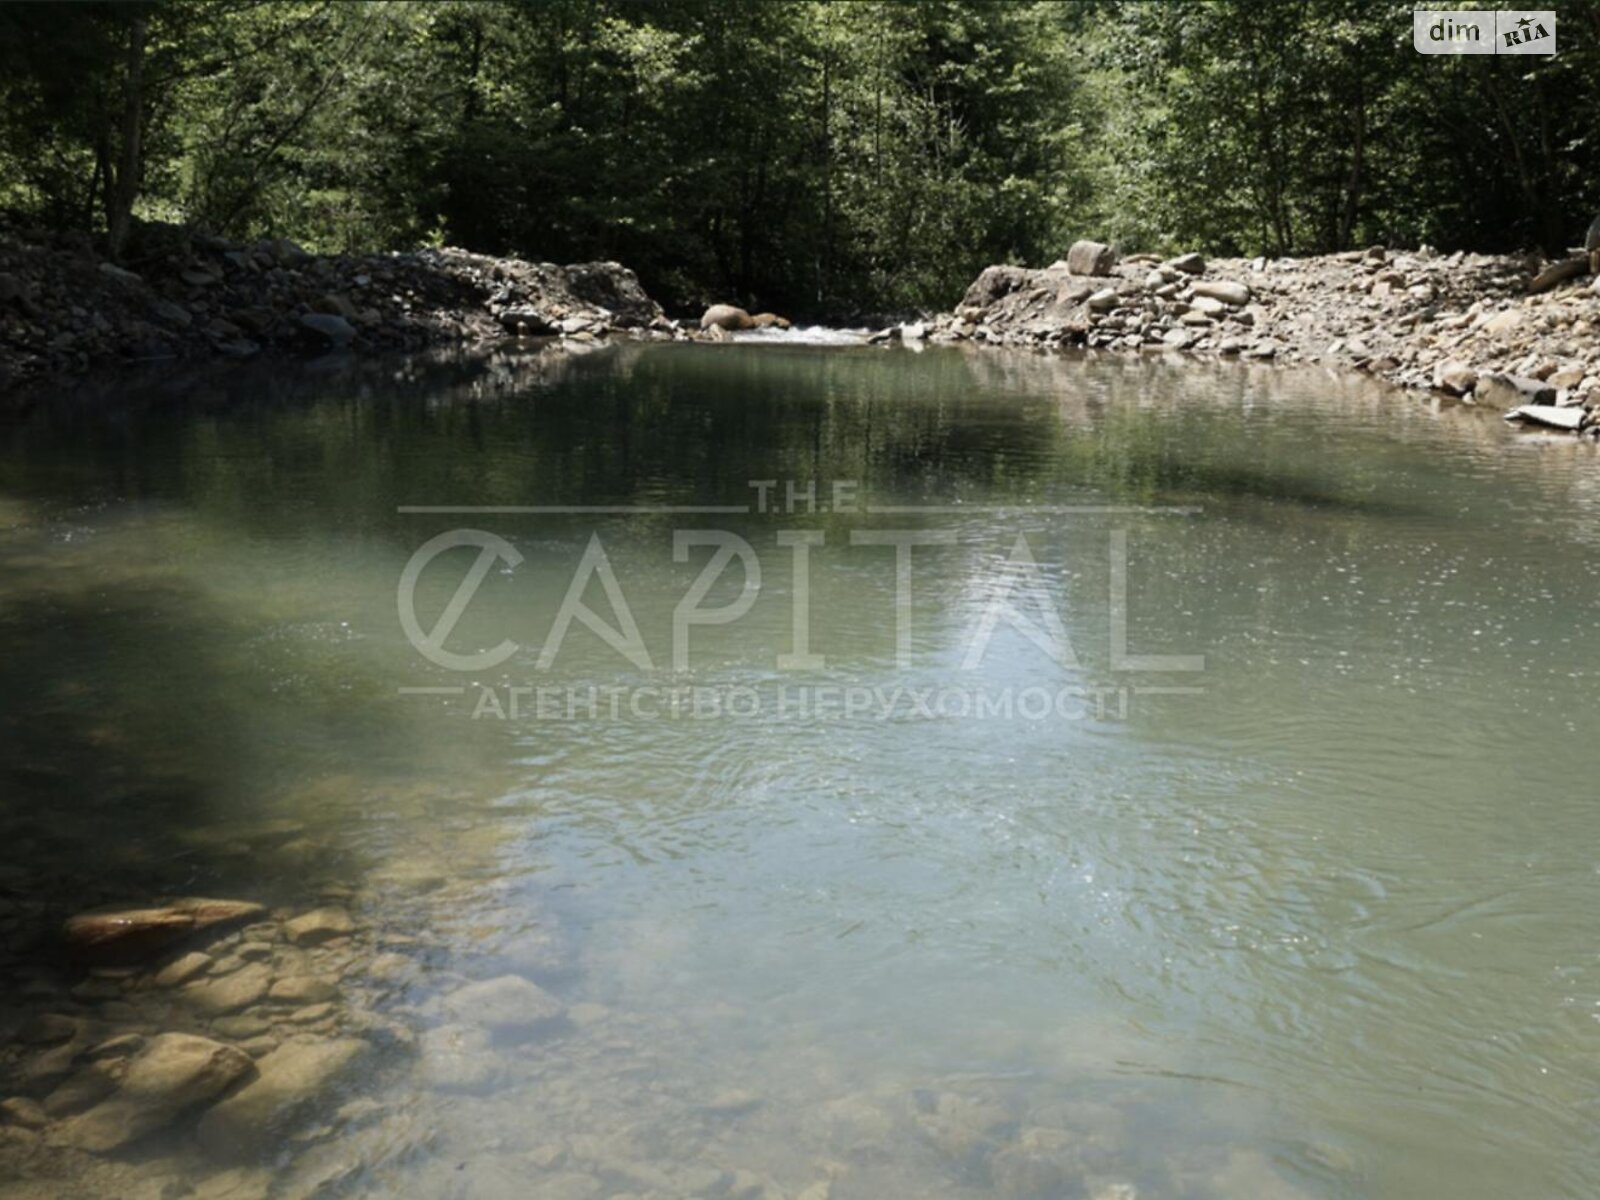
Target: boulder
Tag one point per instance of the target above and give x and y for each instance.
(725, 316)
(1236, 294)
(288, 1079)
(335, 331)
(995, 283)
(1189, 264)
(1515, 389)
(134, 933)
(1454, 377)
(523, 321)
(176, 1071)
(766, 320)
(1091, 258)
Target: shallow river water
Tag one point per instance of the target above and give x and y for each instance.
(1150, 780)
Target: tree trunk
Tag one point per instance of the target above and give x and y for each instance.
(123, 182)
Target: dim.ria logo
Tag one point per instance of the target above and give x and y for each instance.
(1484, 31)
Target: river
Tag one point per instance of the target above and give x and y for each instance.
(900, 774)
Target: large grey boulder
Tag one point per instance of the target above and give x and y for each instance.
(1091, 258)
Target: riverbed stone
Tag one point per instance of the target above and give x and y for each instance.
(1189, 264)
(457, 1058)
(241, 1026)
(230, 993)
(20, 1110)
(174, 1072)
(288, 1079)
(508, 1006)
(49, 1029)
(302, 990)
(134, 933)
(182, 970)
(319, 925)
(83, 1089)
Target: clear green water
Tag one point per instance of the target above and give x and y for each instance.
(1324, 927)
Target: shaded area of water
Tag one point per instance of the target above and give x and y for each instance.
(1311, 921)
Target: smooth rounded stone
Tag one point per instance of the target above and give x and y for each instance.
(254, 951)
(457, 1058)
(131, 933)
(1103, 301)
(241, 1026)
(289, 1078)
(1189, 264)
(1236, 294)
(20, 1110)
(47, 1029)
(238, 1183)
(1209, 305)
(182, 970)
(311, 1014)
(734, 1102)
(319, 925)
(49, 1068)
(174, 1072)
(216, 997)
(83, 1089)
(302, 990)
(389, 968)
(507, 1006)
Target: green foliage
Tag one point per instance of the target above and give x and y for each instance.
(821, 158)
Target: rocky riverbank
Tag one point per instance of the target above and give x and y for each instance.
(183, 296)
(1482, 329)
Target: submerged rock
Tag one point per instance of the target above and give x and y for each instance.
(288, 1079)
(507, 1006)
(124, 934)
(319, 925)
(230, 993)
(174, 1072)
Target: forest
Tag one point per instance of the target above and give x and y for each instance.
(822, 158)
